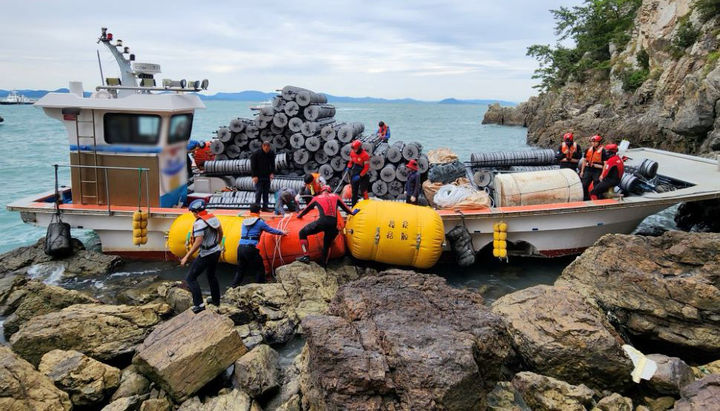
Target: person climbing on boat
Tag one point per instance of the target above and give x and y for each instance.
(262, 166)
(592, 165)
(285, 198)
(569, 153)
(248, 255)
(412, 185)
(313, 185)
(383, 132)
(611, 174)
(358, 167)
(206, 236)
(327, 204)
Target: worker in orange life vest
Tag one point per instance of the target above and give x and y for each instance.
(313, 186)
(569, 153)
(327, 204)
(592, 165)
(358, 168)
(383, 132)
(611, 174)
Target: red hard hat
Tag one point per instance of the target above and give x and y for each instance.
(412, 165)
(596, 137)
(356, 144)
(568, 137)
(611, 147)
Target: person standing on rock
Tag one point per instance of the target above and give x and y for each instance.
(592, 166)
(248, 255)
(383, 132)
(262, 166)
(569, 153)
(207, 234)
(358, 167)
(412, 185)
(327, 204)
(611, 174)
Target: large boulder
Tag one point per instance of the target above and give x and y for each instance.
(188, 351)
(38, 299)
(560, 334)
(703, 394)
(234, 400)
(258, 372)
(662, 290)
(403, 340)
(541, 392)
(104, 332)
(87, 381)
(671, 375)
(23, 388)
(131, 383)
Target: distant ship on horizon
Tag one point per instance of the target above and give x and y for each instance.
(15, 98)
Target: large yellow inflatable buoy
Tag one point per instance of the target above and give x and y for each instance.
(395, 233)
(180, 236)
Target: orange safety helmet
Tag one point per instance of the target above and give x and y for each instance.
(595, 138)
(356, 144)
(613, 148)
(412, 165)
(568, 137)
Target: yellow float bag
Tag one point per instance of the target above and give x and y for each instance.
(395, 233)
(180, 236)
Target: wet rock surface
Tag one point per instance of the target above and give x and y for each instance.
(87, 381)
(661, 290)
(188, 351)
(104, 332)
(560, 334)
(24, 388)
(378, 346)
(699, 216)
(258, 372)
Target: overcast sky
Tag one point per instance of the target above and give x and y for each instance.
(426, 50)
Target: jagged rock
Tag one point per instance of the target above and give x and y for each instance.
(292, 404)
(23, 388)
(81, 263)
(508, 116)
(178, 298)
(560, 334)
(703, 394)
(235, 400)
(41, 299)
(125, 403)
(504, 397)
(659, 404)
(378, 346)
(706, 369)
(205, 343)
(86, 380)
(156, 404)
(104, 332)
(258, 372)
(672, 374)
(131, 383)
(541, 392)
(138, 291)
(614, 402)
(10, 284)
(662, 289)
(263, 306)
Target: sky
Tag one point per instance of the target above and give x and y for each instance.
(427, 50)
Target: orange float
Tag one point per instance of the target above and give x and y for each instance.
(280, 250)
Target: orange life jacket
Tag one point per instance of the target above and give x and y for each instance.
(315, 187)
(569, 151)
(614, 161)
(201, 155)
(593, 157)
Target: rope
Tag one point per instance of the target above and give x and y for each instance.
(140, 189)
(277, 252)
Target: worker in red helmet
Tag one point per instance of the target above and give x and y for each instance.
(611, 174)
(412, 185)
(327, 204)
(592, 165)
(357, 169)
(569, 153)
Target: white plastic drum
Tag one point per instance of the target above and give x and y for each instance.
(537, 187)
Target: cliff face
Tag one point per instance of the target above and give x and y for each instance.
(675, 108)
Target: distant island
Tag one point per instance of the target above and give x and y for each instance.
(254, 95)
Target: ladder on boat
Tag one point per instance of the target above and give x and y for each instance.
(88, 176)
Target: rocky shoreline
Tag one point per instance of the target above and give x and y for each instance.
(392, 339)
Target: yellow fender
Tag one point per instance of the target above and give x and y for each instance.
(180, 236)
(395, 233)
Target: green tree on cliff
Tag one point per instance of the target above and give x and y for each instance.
(592, 27)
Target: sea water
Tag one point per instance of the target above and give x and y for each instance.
(34, 142)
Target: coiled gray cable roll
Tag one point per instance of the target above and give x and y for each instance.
(291, 108)
(295, 124)
(223, 134)
(236, 125)
(379, 188)
(514, 158)
(337, 164)
(387, 173)
(377, 162)
(331, 148)
(395, 188)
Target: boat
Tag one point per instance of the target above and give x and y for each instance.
(14, 98)
(127, 153)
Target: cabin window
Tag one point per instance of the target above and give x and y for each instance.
(180, 127)
(121, 128)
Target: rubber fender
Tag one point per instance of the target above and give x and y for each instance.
(395, 233)
(280, 250)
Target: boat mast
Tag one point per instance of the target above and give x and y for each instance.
(126, 72)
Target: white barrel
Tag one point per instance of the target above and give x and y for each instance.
(537, 187)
